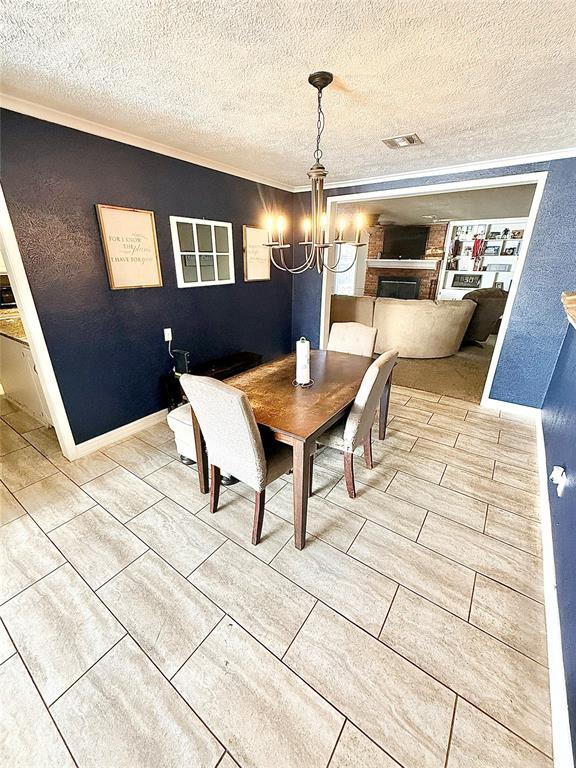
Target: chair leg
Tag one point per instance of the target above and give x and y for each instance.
(349, 474)
(260, 500)
(368, 450)
(215, 479)
(311, 479)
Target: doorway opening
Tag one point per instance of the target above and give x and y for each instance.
(438, 276)
(33, 410)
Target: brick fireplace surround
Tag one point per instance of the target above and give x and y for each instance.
(428, 277)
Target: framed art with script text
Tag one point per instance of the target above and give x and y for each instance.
(256, 254)
(130, 247)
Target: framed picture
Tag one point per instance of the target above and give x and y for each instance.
(499, 267)
(463, 280)
(256, 254)
(130, 247)
(493, 235)
(492, 250)
(509, 251)
(499, 285)
(517, 234)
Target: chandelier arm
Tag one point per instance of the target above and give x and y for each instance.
(339, 271)
(273, 260)
(307, 264)
(292, 270)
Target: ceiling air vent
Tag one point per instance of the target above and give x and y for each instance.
(398, 142)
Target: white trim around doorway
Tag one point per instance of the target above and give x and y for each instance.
(34, 334)
(537, 178)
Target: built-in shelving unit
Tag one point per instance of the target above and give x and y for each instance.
(468, 264)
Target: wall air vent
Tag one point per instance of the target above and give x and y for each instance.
(398, 142)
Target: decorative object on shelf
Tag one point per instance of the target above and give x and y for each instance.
(316, 245)
(130, 247)
(494, 235)
(492, 250)
(505, 233)
(303, 363)
(465, 280)
(477, 251)
(256, 255)
(517, 234)
(509, 251)
(499, 267)
(569, 301)
(499, 285)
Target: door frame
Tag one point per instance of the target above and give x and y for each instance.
(537, 178)
(34, 334)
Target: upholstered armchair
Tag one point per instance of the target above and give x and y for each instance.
(490, 305)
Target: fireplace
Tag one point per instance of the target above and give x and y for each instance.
(398, 287)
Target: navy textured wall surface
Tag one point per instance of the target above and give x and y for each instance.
(559, 424)
(106, 346)
(534, 336)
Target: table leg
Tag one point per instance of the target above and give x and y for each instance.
(301, 486)
(384, 403)
(201, 457)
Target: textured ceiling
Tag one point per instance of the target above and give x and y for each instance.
(503, 202)
(227, 79)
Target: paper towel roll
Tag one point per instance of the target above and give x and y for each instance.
(302, 361)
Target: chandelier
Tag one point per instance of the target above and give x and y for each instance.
(318, 251)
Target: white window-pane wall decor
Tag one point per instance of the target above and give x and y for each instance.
(203, 252)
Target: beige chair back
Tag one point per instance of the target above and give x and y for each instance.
(363, 411)
(353, 338)
(225, 416)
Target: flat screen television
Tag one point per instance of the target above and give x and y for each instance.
(407, 242)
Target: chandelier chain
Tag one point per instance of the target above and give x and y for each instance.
(319, 128)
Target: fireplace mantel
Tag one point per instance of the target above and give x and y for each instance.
(402, 263)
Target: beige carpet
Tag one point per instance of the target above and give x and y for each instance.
(462, 375)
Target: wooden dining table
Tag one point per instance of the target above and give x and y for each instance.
(297, 416)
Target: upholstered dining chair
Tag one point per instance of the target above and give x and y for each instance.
(234, 441)
(355, 429)
(354, 338)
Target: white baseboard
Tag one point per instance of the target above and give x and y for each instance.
(561, 738)
(523, 412)
(115, 435)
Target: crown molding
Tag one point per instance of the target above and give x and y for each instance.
(537, 157)
(97, 129)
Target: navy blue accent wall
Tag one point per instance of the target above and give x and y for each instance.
(559, 424)
(534, 335)
(107, 346)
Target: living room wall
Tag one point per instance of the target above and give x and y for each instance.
(535, 332)
(107, 347)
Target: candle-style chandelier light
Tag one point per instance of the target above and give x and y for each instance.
(317, 249)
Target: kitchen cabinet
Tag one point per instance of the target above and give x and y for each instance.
(20, 380)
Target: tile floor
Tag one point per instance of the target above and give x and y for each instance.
(137, 629)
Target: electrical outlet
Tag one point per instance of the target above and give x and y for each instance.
(167, 334)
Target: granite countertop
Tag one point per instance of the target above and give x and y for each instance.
(11, 326)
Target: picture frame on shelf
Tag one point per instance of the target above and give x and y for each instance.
(499, 267)
(492, 250)
(509, 251)
(494, 235)
(465, 280)
(499, 285)
(517, 234)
